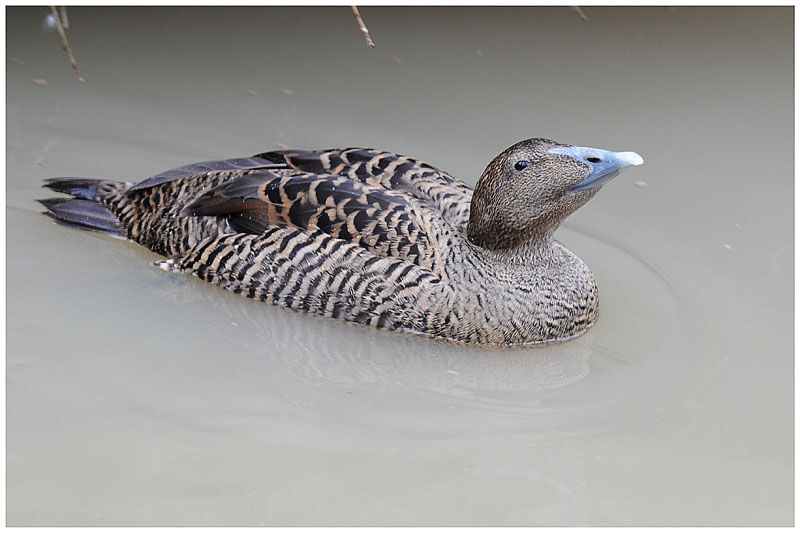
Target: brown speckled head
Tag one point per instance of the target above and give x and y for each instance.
(531, 187)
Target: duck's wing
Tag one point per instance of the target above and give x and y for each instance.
(385, 222)
(433, 188)
(241, 164)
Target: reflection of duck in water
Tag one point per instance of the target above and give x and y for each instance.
(373, 237)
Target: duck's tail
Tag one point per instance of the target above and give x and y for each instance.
(83, 210)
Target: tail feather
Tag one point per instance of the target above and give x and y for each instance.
(79, 187)
(82, 211)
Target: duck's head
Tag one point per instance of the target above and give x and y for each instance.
(527, 190)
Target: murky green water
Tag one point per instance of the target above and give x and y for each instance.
(136, 397)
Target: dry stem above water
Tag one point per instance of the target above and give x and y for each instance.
(61, 23)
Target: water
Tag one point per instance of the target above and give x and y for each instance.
(137, 397)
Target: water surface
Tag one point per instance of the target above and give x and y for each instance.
(138, 397)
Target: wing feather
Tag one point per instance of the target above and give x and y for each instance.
(383, 221)
(433, 188)
(228, 165)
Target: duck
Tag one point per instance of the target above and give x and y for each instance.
(372, 237)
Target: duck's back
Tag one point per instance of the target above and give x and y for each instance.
(389, 204)
(435, 189)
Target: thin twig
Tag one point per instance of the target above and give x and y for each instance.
(580, 12)
(363, 27)
(65, 44)
(64, 19)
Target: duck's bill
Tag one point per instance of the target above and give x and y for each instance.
(605, 163)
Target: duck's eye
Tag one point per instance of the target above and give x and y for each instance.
(519, 166)
(593, 159)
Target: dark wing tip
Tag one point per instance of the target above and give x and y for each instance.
(222, 165)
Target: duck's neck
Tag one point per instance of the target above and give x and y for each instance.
(514, 246)
(538, 250)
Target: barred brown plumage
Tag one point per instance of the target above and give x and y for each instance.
(372, 237)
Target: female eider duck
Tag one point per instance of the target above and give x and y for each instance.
(373, 237)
